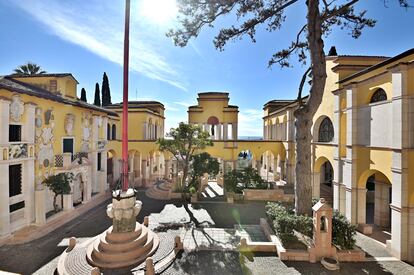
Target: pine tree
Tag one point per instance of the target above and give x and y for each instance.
(106, 92)
(97, 100)
(83, 95)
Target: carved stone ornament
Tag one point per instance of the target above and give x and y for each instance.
(69, 123)
(16, 108)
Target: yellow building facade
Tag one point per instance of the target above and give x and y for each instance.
(46, 130)
(362, 140)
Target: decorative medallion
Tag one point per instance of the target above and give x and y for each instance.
(16, 108)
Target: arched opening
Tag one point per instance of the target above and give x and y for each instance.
(108, 132)
(77, 189)
(244, 159)
(326, 130)
(378, 95)
(378, 199)
(114, 132)
(213, 123)
(110, 168)
(322, 180)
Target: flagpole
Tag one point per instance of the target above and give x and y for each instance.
(125, 101)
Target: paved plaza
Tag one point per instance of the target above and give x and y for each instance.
(210, 249)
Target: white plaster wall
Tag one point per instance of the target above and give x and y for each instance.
(375, 125)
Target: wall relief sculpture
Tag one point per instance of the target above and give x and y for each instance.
(16, 108)
(69, 124)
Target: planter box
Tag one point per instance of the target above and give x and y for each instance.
(354, 255)
(267, 195)
(174, 195)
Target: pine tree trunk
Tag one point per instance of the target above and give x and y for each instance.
(304, 114)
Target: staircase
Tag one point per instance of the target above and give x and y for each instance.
(159, 191)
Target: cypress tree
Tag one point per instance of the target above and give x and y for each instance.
(97, 100)
(106, 92)
(83, 95)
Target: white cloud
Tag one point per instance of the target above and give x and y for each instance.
(250, 123)
(182, 103)
(97, 26)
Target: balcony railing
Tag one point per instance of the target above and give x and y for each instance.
(67, 159)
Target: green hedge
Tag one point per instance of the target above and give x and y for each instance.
(284, 221)
(343, 232)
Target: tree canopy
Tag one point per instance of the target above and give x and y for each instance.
(83, 95)
(183, 142)
(106, 91)
(29, 69)
(97, 100)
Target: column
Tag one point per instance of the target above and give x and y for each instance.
(29, 190)
(225, 134)
(400, 229)
(290, 163)
(316, 182)
(337, 163)
(350, 165)
(104, 172)
(93, 155)
(144, 172)
(4, 200)
(28, 131)
(234, 130)
(219, 126)
(144, 131)
(4, 121)
(116, 168)
(40, 205)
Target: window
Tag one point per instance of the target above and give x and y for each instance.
(114, 132)
(99, 161)
(379, 95)
(53, 85)
(68, 145)
(15, 133)
(108, 132)
(326, 131)
(15, 180)
(16, 206)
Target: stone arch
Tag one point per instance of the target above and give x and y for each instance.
(213, 120)
(323, 175)
(375, 205)
(323, 129)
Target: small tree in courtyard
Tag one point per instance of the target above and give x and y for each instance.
(322, 17)
(58, 184)
(183, 142)
(201, 164)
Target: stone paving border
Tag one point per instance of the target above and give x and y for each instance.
(32, 232)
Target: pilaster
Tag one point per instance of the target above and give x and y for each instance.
(4, 200)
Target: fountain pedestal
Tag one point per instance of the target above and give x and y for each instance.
(127, 242)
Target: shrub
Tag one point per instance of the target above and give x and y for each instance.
(192, 190)
(285, 221)
(343, 232)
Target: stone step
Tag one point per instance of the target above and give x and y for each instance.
(113, 237)
(123, 262)
(124, 256)
(111, 247)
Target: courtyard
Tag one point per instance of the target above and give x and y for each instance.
(210, 249)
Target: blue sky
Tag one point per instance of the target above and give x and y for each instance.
(85, 38)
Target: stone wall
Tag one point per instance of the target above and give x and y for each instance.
(267, 195)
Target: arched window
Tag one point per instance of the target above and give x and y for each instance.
(114, 132)
(108, 132)
(326, 130)
(379, 95)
